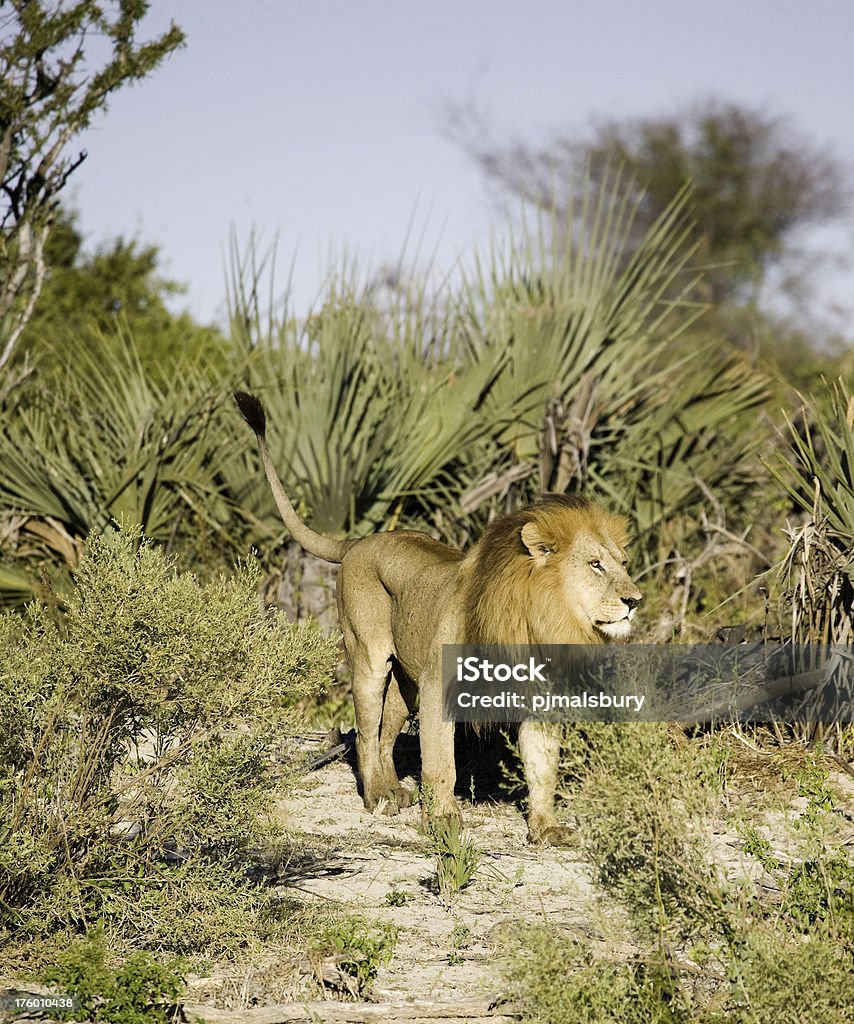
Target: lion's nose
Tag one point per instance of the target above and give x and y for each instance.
(631, 602)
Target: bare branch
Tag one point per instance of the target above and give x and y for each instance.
(47, 96)
(15, 380)
(36, 259)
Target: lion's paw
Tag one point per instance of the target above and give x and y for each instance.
(391, 801)
(551, 835)
(397, 799)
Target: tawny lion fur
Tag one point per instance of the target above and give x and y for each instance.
(551, 573)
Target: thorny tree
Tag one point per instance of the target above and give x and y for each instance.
(49, 92)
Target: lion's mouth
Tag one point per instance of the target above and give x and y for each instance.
(630, 614)
(617, 628)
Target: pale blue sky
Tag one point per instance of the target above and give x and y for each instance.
(322, 120)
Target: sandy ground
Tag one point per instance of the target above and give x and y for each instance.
(447, 946)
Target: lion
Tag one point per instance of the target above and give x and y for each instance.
(554, 573)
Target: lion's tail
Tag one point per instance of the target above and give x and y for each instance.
(316, 543)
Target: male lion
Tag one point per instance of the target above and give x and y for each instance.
(553, 573)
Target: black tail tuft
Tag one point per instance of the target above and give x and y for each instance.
(253, 411)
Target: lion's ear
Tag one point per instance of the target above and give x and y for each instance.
(539, 546)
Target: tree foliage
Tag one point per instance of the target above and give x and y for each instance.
(49, 92)
(92, 300)
(756, 183)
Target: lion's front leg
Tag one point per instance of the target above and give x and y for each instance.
(539, 747)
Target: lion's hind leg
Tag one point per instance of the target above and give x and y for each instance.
(438, 769)
(399, 704)
(370, 678)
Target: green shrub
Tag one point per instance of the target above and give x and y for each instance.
(460, 938)
(768, 980)
(774, 979)
(559, 982)
(398, 898)
(641, 801)
(140, 991)
(818, 887)
(133, 743)
(360, 948)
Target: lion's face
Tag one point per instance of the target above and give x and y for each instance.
(580, 558)
(594, 573)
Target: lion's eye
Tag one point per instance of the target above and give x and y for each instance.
(597, 567)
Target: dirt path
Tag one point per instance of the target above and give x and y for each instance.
(446, 947)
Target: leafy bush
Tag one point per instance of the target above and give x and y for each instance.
(817, 888)
(640, 809)
(397, 898)
(768, 981)
(639, 803)
(559, 982)
(773, 979)
(140, 991)
(360, 947)
(133, 736)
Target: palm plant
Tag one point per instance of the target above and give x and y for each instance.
(818, 571)
(566, 314)
(370, 405)
(373, 410)
(392, 406)
(639, 406)
(110, 443)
